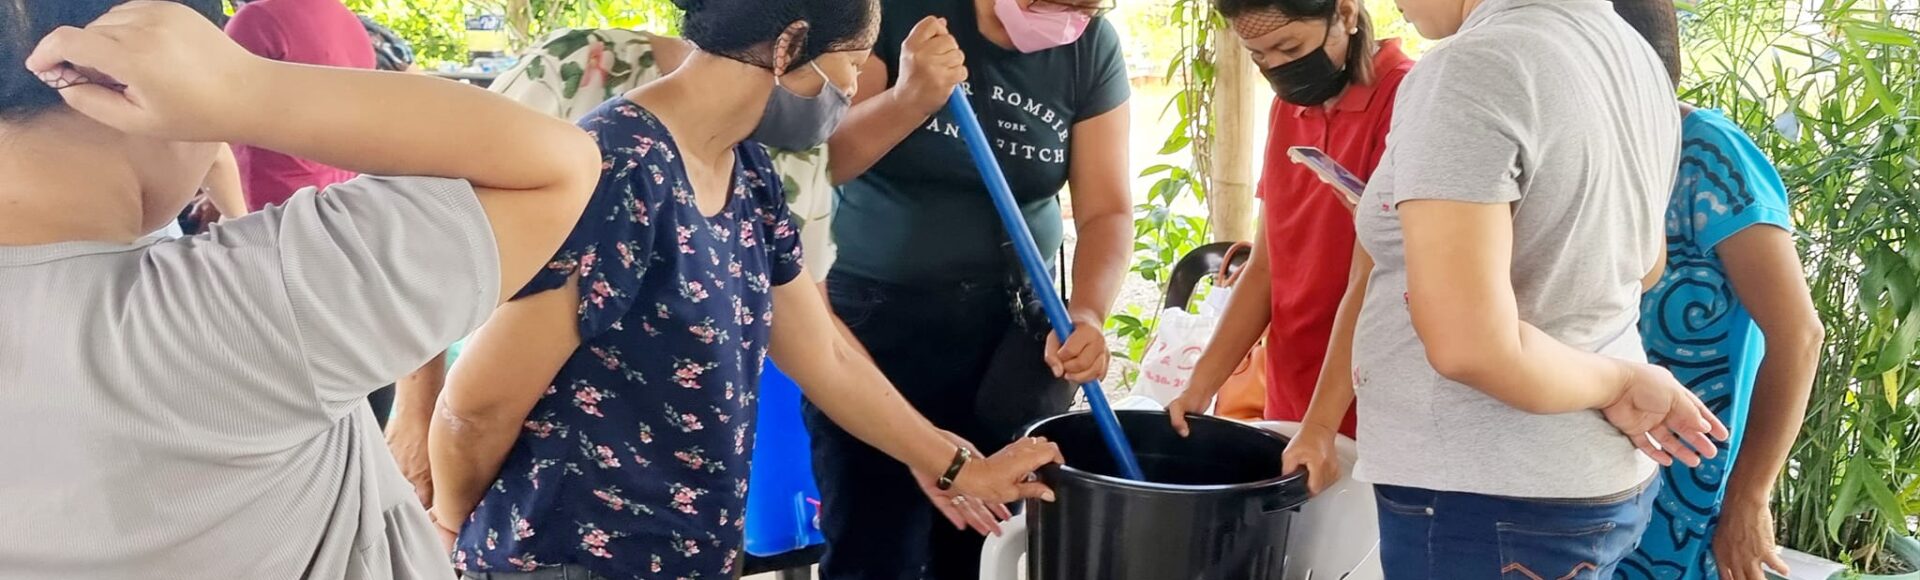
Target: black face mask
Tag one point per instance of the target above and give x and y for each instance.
(1308, 81)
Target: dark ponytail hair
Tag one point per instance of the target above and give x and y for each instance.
(1360, 47)
(24, 22)
(1659, 22)
(747, 30)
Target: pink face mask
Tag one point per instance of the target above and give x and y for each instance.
(1037, 31)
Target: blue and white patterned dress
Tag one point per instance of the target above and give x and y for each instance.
(635, 463)
(1695, 326)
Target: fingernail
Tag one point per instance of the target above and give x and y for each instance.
(1048, 496)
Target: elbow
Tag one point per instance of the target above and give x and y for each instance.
(575, 173)
(580, 164)
(1802, 341)
(1457, 361)
(461, 417)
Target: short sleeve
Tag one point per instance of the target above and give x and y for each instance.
(1104, 73)
(809, 196)
(256, 29)
(774, 218)
(611, 246)
(1276, 152)
(1459, 128)
(1729, 183)
(379, 274)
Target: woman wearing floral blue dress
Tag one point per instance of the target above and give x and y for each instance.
(600, 424)
(1733, 319)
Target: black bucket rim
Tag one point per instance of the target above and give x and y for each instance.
(1298, 479)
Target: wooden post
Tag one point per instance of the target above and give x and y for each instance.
(519, 24)
(1230, 203)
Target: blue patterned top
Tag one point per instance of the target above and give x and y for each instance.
(1695, 326)
(635, 462)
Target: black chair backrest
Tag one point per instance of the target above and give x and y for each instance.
(1200, 264)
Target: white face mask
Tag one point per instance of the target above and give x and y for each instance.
(172, 231)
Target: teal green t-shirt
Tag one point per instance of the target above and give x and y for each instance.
(922, 215)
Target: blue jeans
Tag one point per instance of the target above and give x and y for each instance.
(1426, 534)
(970, 360)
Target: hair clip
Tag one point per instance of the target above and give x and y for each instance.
(69, 76)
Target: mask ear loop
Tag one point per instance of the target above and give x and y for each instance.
(826, 82)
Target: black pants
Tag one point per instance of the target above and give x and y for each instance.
(382, 403)
(969, 357)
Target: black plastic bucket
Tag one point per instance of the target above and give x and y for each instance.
(1214, 507)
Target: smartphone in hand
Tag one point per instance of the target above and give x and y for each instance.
(1347, 185)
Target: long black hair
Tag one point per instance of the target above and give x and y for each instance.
(1360, 47)
(24, 22)
(1659, 22)
(746, 30)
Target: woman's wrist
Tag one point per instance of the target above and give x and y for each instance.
(440, 521)
(1626, 372)
(1206, 380)
(250, 99)
(931, 456)
(1312, 425)
(962, 457)
(1742, 493)
(1082, 314)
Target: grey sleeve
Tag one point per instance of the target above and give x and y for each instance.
(380, 275)
(1461, 128)
(275, 325)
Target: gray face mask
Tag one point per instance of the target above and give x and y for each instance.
(796, 123)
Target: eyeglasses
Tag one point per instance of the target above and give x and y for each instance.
(1094, 8)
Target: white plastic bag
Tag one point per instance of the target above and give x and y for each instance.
(1215, 304)
(1168, 363)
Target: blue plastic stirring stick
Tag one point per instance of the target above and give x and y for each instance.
(1037, 274)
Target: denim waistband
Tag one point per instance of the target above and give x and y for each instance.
(567, 572)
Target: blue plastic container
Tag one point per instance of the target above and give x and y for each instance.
(783, 502)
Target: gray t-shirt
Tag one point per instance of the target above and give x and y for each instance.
(195, 408)
(1559, 109)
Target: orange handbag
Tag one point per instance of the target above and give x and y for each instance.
(1244, 394)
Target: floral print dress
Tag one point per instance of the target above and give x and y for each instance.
(634, 464)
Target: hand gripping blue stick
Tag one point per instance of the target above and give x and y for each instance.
(1036, 268)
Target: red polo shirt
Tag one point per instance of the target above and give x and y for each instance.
(1310, 233)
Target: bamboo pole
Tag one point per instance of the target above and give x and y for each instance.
(1230, 202)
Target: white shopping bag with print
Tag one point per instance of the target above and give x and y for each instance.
(1168, 363)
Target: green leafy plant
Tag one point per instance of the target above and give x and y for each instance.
(437, 28)
(1162, 235)
(528, 21)
(1832, 94)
